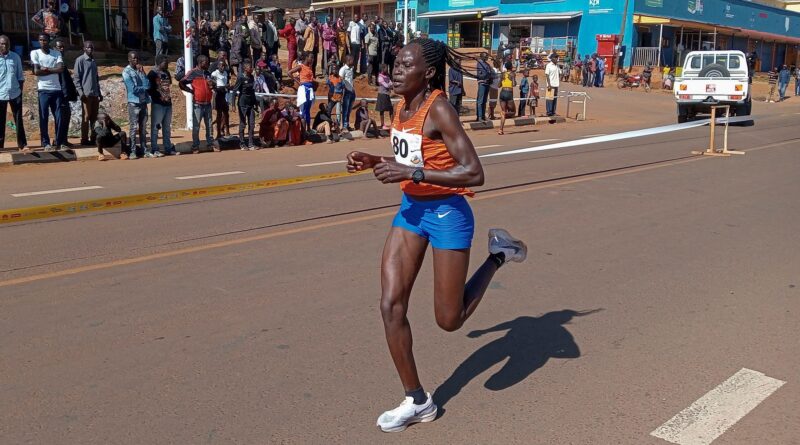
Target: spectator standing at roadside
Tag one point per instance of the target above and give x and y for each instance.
(245, 88)
(578, 68)
(271, 35)
(552, 81)
(354, 31)
(48, 19)
(328, 32)
(311, 37)
(12, 80)
(456, 86)
(601, 73)
(346, 74)
(485, 74)
(161, 29)
(797, 81)
(136, 85)
(240, 42)
(783, 81)
(290, 34)
(161, 117)
(384, 100)
(87, 82)
(371, 44)
(199, 84)
(47, 65)
(524, 90)
(205, 34)
(300, 28)
(772, 79)
(70, 95)
(342, 38)
(256, 42)
(305, 91)
(335, 92)
(592, 79)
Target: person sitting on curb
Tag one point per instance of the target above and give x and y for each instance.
(106, 138)
(267, 127)
(364, 121)
(324, 124)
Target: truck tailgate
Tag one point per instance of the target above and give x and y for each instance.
(720, 89)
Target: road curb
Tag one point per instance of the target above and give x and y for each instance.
(515, 122)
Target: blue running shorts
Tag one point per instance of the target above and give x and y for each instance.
(447, 223)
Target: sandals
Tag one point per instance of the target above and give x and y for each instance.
(500, 132)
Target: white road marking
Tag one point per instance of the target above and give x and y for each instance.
(719, 409)
(615, 136)
(322, 163)
(210, 175)
(489, 146)
(544, 140)
(593, 135)
(48, 192)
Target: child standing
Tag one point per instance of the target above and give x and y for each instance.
(384, 101)
(533, 100)
(221, 78)
(524, 89)
(335, 93)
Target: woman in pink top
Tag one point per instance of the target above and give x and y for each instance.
(329, 42)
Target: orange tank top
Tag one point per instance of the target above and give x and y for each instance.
(411, 147)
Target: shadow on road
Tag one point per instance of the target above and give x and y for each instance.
(529, 343)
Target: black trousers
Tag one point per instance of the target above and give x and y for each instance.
(16, 110)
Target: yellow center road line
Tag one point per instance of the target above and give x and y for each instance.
(311, 228)
(121, 202)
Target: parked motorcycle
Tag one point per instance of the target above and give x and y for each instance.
(632, 81)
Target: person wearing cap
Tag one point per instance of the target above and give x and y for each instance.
(552, 81)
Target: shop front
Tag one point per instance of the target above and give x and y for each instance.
(464, 28)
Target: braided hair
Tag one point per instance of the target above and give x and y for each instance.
(439, 56)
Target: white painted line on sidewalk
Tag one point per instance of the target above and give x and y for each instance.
(48, 192)
(719, 409)
(322, 163)
(210, 175)
(488, 146)
(544, 140)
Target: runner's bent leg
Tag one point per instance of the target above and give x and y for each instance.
(402, 257)
(454, 301)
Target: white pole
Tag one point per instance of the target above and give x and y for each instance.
(715, 39)
(660, 39)
(28, 26)
(105, 18)
(405, 21)
(187, 56)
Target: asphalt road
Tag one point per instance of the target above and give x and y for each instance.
(653, 277)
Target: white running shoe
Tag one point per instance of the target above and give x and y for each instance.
(407, 413)
(501, 241)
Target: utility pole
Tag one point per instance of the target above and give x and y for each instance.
(617, 60)
(187, 55)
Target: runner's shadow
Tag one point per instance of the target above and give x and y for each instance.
(529, 343)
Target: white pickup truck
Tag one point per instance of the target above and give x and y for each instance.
(713, 78)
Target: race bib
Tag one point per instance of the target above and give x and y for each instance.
(407, 148)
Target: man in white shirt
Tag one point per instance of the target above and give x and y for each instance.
(354, 31)
(349, 96)
(47, 65)
(553, 79)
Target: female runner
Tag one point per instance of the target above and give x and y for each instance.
(435, 162)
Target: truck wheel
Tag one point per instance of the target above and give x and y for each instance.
(714, 70)
(683, 114)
